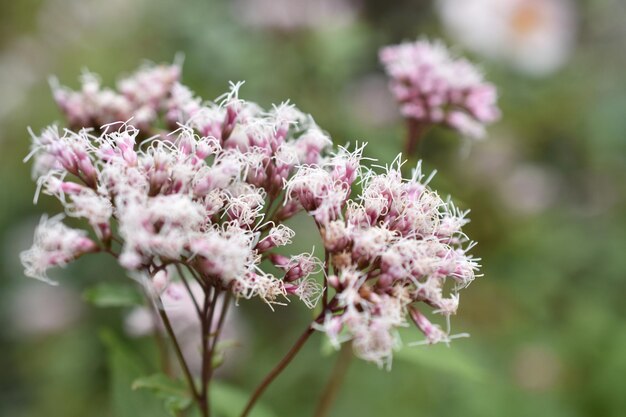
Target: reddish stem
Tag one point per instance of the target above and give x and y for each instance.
(279, 368)
(415, 132)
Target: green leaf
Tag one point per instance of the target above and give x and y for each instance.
(442, 358)
(229, 401)
(113, 295)
(125, 366)
(326, 347)
(174, 393)
(219, 356)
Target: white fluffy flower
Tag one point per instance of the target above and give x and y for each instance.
(158, 226)
(535, 36)
(55, 245)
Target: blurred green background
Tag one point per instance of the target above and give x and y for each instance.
(546, 191)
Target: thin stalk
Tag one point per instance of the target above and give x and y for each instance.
(222, 319)
(277, 370)
(415, 132)
(280, 366)
(216, 335)
(186, 284)
(179, 354)
(210, 302)
(207, 361)
(326, 268)
(335, 381)
(158, 336)
(163, 353)
(199, 279)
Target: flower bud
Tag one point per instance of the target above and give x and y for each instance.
(160, 281)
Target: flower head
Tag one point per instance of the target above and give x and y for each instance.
(140, 97)
(197, 195)
(435, 88)
(55, 245)
(533, 36)
(211, 193)
(392, 248)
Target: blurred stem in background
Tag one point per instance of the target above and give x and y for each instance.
(335, 381)
(181, 357)
(414, 134)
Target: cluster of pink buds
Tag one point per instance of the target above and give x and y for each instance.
(191, 197)
(435, 88)
(55, 245)
(392, 248)
(140, 97)
(209, 196)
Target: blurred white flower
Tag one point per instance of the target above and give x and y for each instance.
(534, 36)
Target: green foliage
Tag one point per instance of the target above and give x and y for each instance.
(108, 294)
(229, 401)
(226, 400)
(125, 367)
(136, 395)
(174, 393)
(451, 360)
(219, 356)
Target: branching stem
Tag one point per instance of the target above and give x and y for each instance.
(280, 366)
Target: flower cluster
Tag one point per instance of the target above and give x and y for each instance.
(55, 245)
(392, 247)
(211, 193)
(199, 196)
(433, 87)
(141, 96)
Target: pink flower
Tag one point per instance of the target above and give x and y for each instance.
(211, 196)
(55, 245)
(435, 88)
(392, 247)
(140, 97)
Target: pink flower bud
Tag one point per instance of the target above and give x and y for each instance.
(278, 260)
(433, 333)
(160, 281)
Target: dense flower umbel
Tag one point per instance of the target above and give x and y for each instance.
(392, 247)
(140, 96)
(199, 195)
(433, 87)
(211, 193)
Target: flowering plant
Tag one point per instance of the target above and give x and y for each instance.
(435, 88)
(193, 196)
